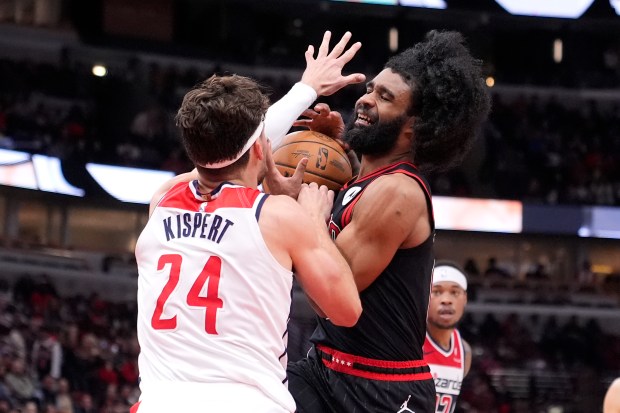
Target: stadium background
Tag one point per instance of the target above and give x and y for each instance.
(88, 90)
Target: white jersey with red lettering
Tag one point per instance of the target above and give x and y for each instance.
(448, 370)
(213, 302)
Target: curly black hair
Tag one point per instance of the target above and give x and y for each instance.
(450, 99)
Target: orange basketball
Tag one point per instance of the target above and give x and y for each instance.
(328, 163)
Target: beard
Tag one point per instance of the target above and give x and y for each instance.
(376, 139)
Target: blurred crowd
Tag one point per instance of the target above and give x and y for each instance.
(550, 149)
(78, 354)
(71, 355)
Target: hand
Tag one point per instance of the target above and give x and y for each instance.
(324, 73)
(280, 185)
(317, 200)
(323, 120)
(329, 122)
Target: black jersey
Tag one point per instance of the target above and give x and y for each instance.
(393, 322)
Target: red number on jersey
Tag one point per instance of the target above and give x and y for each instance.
(211, 302)
(444, 403)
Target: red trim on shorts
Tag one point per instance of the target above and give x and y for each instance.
(345, 363)
(134, 408)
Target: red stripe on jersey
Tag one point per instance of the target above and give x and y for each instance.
(134, 408)
(433, 354)
(388, 364)
(348, 211)
(181, 196)
(376, 376)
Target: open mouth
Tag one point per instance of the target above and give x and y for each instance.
(363, 120)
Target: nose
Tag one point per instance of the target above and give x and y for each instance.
(365, 101)
(446, 298)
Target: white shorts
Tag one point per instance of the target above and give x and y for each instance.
(205, 398)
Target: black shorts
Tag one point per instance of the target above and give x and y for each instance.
(331, 381)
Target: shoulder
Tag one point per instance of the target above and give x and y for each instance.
(395, 189)
(282, 210)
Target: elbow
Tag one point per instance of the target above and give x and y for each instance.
(348, 317)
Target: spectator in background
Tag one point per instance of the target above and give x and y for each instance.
(19, 382)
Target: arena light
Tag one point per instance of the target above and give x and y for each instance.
(100, 70)
(24, 170)
(429, 4)
(484, 215)
(568, 9)
(133, 185)
(393, 39)
(558, 50)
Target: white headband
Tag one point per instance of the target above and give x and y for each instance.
(248, 144)
(449, 273)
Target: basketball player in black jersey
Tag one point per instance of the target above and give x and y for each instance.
(420, 113)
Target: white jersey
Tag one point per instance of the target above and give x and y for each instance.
(213, 302)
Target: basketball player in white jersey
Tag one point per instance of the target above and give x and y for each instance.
(215, 265)
(447, 354)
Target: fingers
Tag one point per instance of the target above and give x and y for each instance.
(309, 54)
(324, 48)
(354, 78)
(301, 168)
(349, 54)
(339, 48)
(322, 109)
(330, 196)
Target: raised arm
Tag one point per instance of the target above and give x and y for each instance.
(322, 77)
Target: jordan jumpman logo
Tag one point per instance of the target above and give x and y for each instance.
(404, 408)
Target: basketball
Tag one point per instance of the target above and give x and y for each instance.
(328, 163)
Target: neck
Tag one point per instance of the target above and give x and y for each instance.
(208, 182)
(441, 336)
(371, 163)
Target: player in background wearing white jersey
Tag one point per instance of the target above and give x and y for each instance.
(215, 265)
(611, 403)
(445, 351)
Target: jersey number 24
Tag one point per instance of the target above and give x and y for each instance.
(209, 275)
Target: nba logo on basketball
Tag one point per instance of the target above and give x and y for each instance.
(321, 160)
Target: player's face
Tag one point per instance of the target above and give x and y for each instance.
(380, 115)
(447, 304)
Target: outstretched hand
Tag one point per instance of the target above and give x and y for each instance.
(277, 184)
(324, 73)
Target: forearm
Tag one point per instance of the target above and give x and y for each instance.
(284, 112)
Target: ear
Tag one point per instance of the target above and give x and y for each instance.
(407, 130)
(258, 148)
